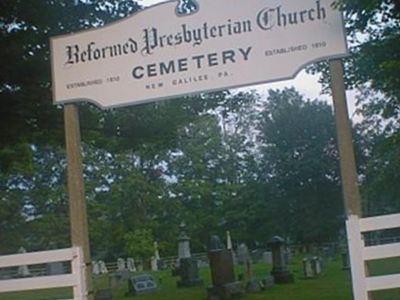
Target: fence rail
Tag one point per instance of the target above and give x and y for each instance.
(76, 279)
(360, 253)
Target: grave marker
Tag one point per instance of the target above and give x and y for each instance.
(280, 270)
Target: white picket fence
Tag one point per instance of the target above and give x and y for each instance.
(76, 279)
(360, 254)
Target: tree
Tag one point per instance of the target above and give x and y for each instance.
(27, 115)
(374, 36)
(301, 166)
(379, 140)
(139, 244)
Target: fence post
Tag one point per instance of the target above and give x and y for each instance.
(356, 246)
(78, 270)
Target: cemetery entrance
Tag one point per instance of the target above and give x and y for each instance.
(113, 66)
(161, 53)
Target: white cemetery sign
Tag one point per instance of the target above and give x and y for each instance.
(158, 54)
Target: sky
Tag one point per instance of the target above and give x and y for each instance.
(306, 84)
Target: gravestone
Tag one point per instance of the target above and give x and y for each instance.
(187, 269)
(224, 284)
(155, 260)
(139, 266)
(202, 263)
(307, 268)
(228, 241)
(130, 264)
(267, 257)
(316, 265)
(242, 254)
(103, 268)
(55, 268)
(141, 284)
(256, 255)
(189, 273)
(288, 255)
(154, 264)
(280, 270)
(120, 264)
(96, 268)
(23, 271)
(183, 243)
(156, 251)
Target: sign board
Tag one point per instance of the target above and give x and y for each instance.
(157, 54)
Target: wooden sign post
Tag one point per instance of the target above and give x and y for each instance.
(348, 169)
(351, 193)
(76, 190)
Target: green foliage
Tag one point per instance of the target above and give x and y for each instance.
(301, 166)
(139, 243)
(234, 168)
(373, 68)
(374, 38)
(27, 114)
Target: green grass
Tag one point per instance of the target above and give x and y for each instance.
(333, 284)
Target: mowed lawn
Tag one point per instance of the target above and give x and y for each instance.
(333, 284)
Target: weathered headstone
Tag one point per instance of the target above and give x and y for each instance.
(202, 263)
(139, 266)
(243, 254)
(187, 268)
(23, 271)
(307, 268)
(183, 243)
(189, 273)
(156, 258)
(96, 268)
(280, 270)
(121, 264)
(130, 264)
(267, 257)
(256, 255)
(223, 279)
(154, 264)
(228, 241)
(55, 268)
(141, 284)
(288, 255)
(316, 265)
(156, 251)
(103, 268)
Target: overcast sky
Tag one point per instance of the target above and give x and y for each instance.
(306, 84)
